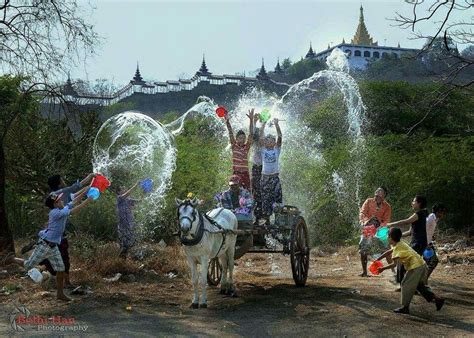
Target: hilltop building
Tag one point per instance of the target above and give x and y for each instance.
(361, 49)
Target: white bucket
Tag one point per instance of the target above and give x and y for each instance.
(35, 275)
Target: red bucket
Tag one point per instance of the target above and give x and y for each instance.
(373, 268)
(369, 231)
(100, 182)
(221, 111)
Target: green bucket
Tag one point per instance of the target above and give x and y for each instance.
(382, 234)
(265, 115)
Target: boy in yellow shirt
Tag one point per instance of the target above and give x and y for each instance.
(416, 275)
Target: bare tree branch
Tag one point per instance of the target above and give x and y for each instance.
(450, 31)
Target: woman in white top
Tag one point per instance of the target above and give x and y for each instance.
(270, 182)
(439, 210)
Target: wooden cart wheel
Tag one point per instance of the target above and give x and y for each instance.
(299, 252)
(214, 272)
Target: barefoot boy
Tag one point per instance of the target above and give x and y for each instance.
(416, 272)
(50, 238)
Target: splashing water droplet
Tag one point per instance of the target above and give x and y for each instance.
(130, 147)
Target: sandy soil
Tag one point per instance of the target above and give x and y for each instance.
(335, 302)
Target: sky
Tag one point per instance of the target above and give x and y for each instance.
(169, 38)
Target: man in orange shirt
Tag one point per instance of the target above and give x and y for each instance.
(377, 212)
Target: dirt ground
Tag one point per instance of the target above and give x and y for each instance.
(335, 302)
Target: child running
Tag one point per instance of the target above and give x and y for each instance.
(416, 272)
(240, 151)
(50, 238)
(270, 182)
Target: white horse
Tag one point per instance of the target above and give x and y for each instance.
(205, 237)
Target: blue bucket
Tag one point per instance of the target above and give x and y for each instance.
(428, 253)
(94, 193)
(147, 185)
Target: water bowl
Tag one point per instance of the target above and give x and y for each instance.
(147, 185)
(369, 231)
(221, 112)
(100, 182)
(35, 275)
(265, 115)
(94, 193)
(428, 253)
(373, 268)
(382, 234)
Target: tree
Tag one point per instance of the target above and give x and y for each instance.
(286, 64)
(12, 101)
(40, 40)
(449, 31)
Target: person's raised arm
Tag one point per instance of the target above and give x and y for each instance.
(250, 116)
(279, 135)
(129, 191)
(78, 208)
(79, 195)
(87, 179)
(229, 129)
(410, 220)
(261, 140)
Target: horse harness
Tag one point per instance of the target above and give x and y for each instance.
(197, 237)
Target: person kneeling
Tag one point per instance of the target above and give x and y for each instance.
(416, 275)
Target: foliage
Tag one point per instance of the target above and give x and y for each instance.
(439, 168)
(436, 160)
(394, 107)
(44, 38)
(200, 169)
(35, 148)
(299, 70)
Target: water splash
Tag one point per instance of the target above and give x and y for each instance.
(204, 106)
(153, 149)
(130, 147)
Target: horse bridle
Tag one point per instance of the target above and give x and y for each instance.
(185, 204)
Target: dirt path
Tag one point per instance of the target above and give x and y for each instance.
(335, 302)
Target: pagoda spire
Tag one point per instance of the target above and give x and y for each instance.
(137, 78)
(311, 53)
(262, 74)
(362, 36)
(203, 70)
(278, 68)
(68, 88)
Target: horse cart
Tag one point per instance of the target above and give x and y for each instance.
(288, 234)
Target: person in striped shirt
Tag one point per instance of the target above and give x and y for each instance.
(240, 151)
